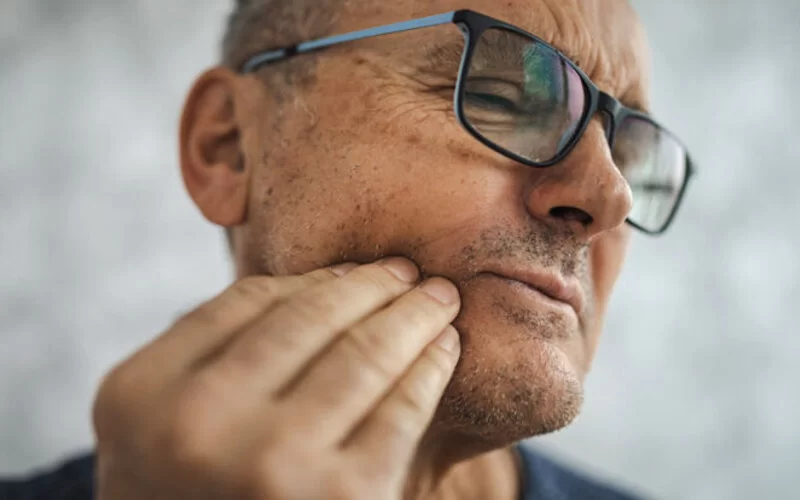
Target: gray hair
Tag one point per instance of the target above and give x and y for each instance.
(257, 25)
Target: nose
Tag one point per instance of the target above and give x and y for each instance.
(585, 191)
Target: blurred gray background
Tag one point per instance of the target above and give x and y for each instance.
(692, 394)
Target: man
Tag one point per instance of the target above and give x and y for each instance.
(427, 220)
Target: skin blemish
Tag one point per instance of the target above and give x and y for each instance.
(414, 138)
(462, 153)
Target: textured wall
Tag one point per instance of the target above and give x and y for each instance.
(692, 393)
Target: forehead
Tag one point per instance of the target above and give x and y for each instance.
(604, 37)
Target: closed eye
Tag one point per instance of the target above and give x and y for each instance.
(492, 101)
(494, 94)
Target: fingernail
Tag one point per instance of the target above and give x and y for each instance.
(402, 268)
(343, 269)
(441, 290)
(449, 340)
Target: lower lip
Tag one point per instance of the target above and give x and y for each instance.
(535, 295)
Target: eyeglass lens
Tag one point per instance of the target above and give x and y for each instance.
(525, 98)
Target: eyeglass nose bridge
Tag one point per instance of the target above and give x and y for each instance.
(609, 109)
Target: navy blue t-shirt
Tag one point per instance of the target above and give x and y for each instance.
(542, 479)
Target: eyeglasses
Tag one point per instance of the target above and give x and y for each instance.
(524, 99)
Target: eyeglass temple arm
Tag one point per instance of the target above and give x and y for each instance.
(264, 58)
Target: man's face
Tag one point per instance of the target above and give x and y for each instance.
(371, 162)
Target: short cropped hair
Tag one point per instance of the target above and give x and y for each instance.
(259, 25)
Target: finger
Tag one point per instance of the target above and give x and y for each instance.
(202, 332)
(169, 358)
(396, 426)
(277, 347)
(365, 363)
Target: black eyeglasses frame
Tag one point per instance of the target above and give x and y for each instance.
(473, 24)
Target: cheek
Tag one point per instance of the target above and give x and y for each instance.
(364, 189)
(606, 257)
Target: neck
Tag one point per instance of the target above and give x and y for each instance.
(445, 469)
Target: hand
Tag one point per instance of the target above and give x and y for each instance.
(312, 386)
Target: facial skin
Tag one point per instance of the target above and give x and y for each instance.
(370, 161)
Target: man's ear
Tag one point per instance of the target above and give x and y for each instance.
(211, 155)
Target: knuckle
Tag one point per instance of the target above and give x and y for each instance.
(280, 473)
(255, 288)
(417, 394)
(348, 481)
(111, 386)
(350, 489)
(189, 454)
(193, 427)
(322, 275)
(371, 352)
(116, 399)
(204, 315)
(403, 426)
(309, 308)
(105, 404)
(378, 277)
(440, 361)
(367, 343)
(419, 315)
(259, 482)
(409, 400)
(188, 440)
(430, 305)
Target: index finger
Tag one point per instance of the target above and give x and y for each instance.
(202, 332)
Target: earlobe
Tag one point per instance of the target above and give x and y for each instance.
(212, 160)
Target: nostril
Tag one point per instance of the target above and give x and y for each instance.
(570, 214)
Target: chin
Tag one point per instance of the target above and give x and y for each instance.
(520, 373)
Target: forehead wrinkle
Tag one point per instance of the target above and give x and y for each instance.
(584, 32)
(442, 53)
(589, 32)
(570, 34)
(620, 64)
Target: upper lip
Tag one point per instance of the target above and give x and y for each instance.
(549, 283)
